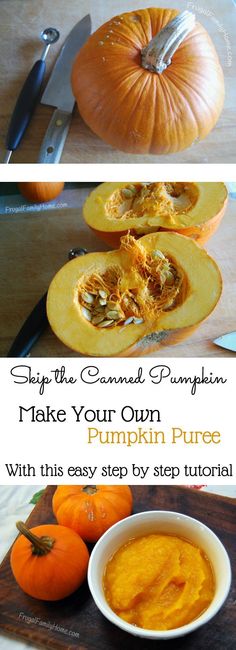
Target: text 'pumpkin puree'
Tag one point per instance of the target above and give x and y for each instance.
(159, 582)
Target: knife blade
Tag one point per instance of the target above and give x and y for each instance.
(227, 341)
(58, 93)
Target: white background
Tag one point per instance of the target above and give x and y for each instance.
(66, 444)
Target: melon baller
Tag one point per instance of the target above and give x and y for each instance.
(29, 95)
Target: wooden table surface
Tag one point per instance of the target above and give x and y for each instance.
(35, 245)
(79, 613)
(21, 22)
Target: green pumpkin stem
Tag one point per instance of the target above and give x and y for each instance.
(40, 545)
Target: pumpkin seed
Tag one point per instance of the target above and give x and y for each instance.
(137, 321)
(102, 301)
(86, 313)
(115, 315)
(158, 254)
(127, 193)
(105, 323)
(169, 277)
(97, 319)
(99, 309)
(102, 293)
(87, 297)
(129, 320)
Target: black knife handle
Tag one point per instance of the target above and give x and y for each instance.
(33, 327)
(25, 105)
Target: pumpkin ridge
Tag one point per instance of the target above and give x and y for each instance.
(114, 493)
(143, 83)
(110, 495)
(117, 33)
(154, 113)
(176, 121)
(116, 113)
(111, 503)
(111, 516)
(188, 104)
(147, 27)
(186, 85)
(160, 17)
(122, 33)
(142, 22)
(118, 87)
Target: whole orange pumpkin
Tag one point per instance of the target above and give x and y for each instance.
(49, 562)
(40, 192)
(91, 509)
(144, 90)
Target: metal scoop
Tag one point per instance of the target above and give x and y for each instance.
(29, 95)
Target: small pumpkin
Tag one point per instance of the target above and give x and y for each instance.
(40, 192)
(192, 209)
(49, 562)
(91, 509)
(149, 81)
(151, 292)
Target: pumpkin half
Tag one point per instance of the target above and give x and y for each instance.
(49, 562)
(192, 209)
(132, 300)
(149, 81)
(91, 509)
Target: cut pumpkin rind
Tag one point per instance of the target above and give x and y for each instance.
(198, 288)
(192, 209)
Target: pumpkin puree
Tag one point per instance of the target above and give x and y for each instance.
(159, 582)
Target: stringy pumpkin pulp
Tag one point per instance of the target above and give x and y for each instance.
(151, 285)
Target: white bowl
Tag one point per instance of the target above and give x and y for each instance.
(172, 523)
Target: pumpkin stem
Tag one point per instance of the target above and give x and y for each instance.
(40, 545)
(157, 55)
(90, 489)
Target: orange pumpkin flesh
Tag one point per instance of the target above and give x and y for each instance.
(192, 209)
(49, 562)
(40, 192)
(138, 110)
(163, 308)
(91, 510)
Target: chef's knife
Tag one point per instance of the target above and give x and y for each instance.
(227, 341)
(58, 93)
(31, 330)
(37, 321)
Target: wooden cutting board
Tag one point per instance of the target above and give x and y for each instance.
(21, 24)
(35, 245)
(79, 614)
